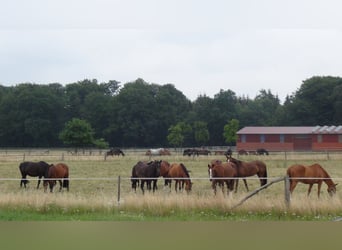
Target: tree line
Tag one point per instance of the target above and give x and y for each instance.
(142, 114)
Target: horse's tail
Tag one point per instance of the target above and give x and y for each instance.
(263, 175)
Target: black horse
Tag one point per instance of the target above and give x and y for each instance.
(39, 169)
(262, 151)
(115, 151)
(145, 172)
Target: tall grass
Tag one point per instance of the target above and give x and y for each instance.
(94, 194)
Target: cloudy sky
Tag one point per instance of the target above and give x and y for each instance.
(199, 46)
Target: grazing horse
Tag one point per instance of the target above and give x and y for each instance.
(218, 171)
(310, 175)
(164, 171)
(181, 175)
(114, 151)
(158, 151)
(245, 169)
(190, 152)
(145, 172)
(262, 151)
(58, 172)
(39, 169)
(242, 152)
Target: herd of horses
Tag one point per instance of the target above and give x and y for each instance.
(223, 173)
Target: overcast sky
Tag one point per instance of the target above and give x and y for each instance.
(199, 46)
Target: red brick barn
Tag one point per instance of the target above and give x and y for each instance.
(319, 138)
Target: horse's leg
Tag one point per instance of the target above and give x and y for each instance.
(38, 181)
(236, 185)
(293, 185)
(319, 188)
(245, 182)
(213, 185)
(142, 186)
(60, 185)
(23, 181)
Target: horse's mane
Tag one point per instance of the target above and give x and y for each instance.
(185, 170)
(323, 170)
(235, 160)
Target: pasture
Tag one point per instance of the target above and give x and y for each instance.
(95, 193)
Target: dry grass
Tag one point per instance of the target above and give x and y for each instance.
(94, 187)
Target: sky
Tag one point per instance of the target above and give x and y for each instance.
(201, 47)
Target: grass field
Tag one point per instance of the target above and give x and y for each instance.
(94, 191)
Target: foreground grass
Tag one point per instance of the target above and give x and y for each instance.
(34, 206)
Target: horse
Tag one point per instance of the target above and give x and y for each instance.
(59, 172)
(181, 175)
(158, 151)
(39, 169)
(310, 175)
(114, 151)
(145, 172)
(218, 171)
(164, 171)
(245, 169)
(190, 152)
(242, 152)
(262, 151)
(203, 152)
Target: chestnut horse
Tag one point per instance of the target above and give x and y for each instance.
(164, 171)
(310, 175)
(58, 173)
(221, 173)
(245, 169)
(180, 174)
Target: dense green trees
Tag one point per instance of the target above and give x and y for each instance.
(141, 114)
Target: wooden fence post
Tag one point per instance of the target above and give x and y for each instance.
(119, 191)
(287, 191)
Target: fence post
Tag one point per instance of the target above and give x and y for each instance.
(119, 191)
(24, 157)
(287, 191)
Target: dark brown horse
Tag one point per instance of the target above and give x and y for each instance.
(313, 174)
(145, 172)
(181, 176)
(60, 173)
(245, 169)
(222, 173)
(39, 169)
(114, 151)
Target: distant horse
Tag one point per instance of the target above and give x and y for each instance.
(58, 172)
(158, 151)
(145, 172)
(251, 168)
(310, 175)
(262, 151)
(242, 152)
(190, 152)
(114, 151)
(181, 176)
(39, 169)
(218, 170)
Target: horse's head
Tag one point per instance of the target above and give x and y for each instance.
(332, 189)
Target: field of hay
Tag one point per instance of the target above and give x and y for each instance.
(94, 190)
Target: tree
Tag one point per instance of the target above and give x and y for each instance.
(201, 133)
(77, 133)
(175, 136)
(229, 131)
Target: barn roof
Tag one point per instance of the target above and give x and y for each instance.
(292, 130)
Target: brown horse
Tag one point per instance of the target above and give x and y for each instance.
(221, 173)
(58, 172)
(164, 171)
(310, 175)
(251, 168)
(180, 174)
